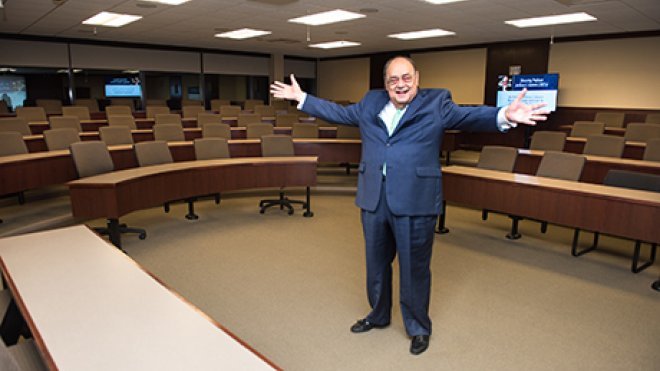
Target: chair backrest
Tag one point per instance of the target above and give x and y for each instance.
(347, 132)
(118, 110)
(169, 118)
(286, 119)
(58, 122)
(190, 102)
(251, 103)
(152, 111)
(277, 146)
(217, 103)
(204, 118)
(210, 148)
(12, 143)
(31, 114)
(280, 105)
(51, 106)
(192, 111)
(230, 111)
(15, 124)
(122, 120)
(610, 119)
(216, 130)
(561, 165)
(652, 150)
(633, 180)
(498, 158)
(641, 132)
(263, 110)
(127, 102)
(81, 112)
(115, 135)
(156, 102)
(248, 118)
(303, 130)
(153, 153)
(256, 131)
(548, 141)
(91, 104)
(91, 158)
(583, 129)
(652, 118)
(604, 145)
(169, 132)
(57, 139)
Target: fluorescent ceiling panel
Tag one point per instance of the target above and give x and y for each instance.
(335, 44)
(168, 2)
(243, 33)
(437, 2)
(331, 16)
(551, 20)
(109, 19)
(436, 32)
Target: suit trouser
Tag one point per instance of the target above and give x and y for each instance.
(411, 237)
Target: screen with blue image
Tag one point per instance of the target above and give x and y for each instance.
(116, 87)
(541, 88)
(13, 90)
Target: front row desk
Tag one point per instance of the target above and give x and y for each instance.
(89, 306)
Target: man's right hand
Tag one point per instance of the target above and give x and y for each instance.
(284, 91)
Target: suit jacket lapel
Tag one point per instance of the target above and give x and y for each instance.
(415, 105)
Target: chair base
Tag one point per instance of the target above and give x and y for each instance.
(114, 231)
(191, 205)
(656, 285)
(285, 202)
(636, 266)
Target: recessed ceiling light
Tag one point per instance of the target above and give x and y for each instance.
(243, 33)
(168, 2)
(331, 16)
(436, 32)
(551, 20)
(109, 19)
(334, 44)
(437, 2)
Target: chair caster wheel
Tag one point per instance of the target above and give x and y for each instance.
(142, 236)
(261, 211)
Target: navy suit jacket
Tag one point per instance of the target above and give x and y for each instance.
(414, 183)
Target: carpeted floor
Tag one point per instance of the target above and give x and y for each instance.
(292, 286)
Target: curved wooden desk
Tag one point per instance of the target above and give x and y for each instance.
(633, 150)
(118, 193)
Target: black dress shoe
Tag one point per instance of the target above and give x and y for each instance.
(419, 344)
(363, 326)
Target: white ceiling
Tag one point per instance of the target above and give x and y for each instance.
(193, 24)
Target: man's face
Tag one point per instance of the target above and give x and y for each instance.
(401, 81)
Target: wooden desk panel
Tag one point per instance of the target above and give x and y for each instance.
(90, 307)
(20, 173)
(620, 212)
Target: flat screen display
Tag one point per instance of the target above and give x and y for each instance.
(13, 90)
(116, 87)
(540, 89)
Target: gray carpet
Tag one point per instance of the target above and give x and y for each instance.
(292, 286)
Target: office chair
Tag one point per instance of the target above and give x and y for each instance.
(122, 120)
(610, 119)
(169, 132)
(16, 124)
(216, 130)
(211, 148)
(286, 119)
(303, 130)
(548, 141)
(169, 118)
(156, 153)
(604, 145)
(652, 150)
(217, 103)
(256, 131)
(91, 104)
(630, 180)
(152, 111)
(115, 135)
(57, 139)
(278, 146)
(500, 159)
(343, 132)
(263, 110)
(204, 118)
(245, 119)
(229, 111)
(31, 114)
(583, 129)
(93, 158)
(251, 103)
(81, 112)
(12, 143)
(51, 106)
(652, 118)
(59, 122)
(192, 111)
(641, 132)
(118, 110)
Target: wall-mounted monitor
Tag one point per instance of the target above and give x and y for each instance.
(117, 87)
(13, 90)
(540, 89)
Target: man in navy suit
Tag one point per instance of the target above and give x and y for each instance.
(399, 181)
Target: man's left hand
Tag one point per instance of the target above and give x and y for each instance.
(522, 113)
